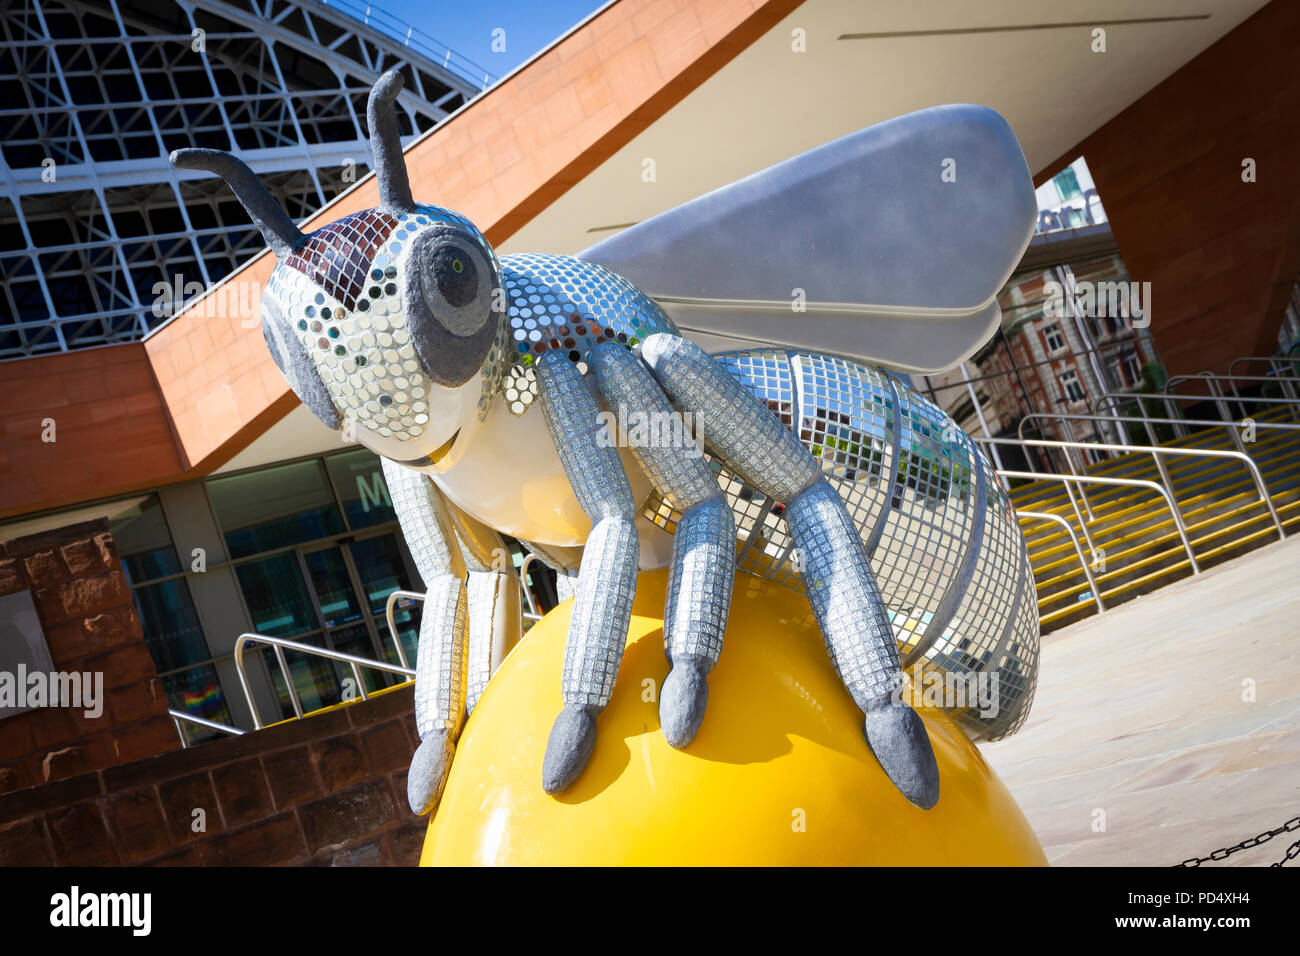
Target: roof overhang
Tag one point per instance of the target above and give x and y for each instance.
(1031, 60)
(551, 158)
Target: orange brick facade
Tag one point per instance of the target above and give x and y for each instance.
(1221, 254)
(110, 429)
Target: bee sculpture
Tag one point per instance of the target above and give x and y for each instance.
(480, 383)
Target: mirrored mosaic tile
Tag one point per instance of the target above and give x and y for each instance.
(909, 479)
(558, 303)
(343, 295)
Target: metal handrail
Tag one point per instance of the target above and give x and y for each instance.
(1216, 396)
(1171, 398)
(1129, 482)
(1148, 421)
(1273, 360)
(412, 36)
(1043, 516)
(532, 614)
(1199, 376)
(1156, 451)
(279, 643)
(1212, 380)
(389, 605)
(179, 715)
(1198, 398)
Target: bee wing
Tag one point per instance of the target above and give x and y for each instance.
(888, 245)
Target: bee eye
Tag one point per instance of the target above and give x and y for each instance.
(454, 274)
(452, 312)
(455, 281)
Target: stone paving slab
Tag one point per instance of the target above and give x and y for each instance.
(1143, 722)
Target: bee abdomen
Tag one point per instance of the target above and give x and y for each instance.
(945, 547)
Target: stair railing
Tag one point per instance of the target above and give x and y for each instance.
(1284, 370)
(1217, 397)
(279, 644)
(1234, 428)
(533, 613)
(180, 715)
(1074, 539)
(1212, 381)
(1123, 482)
(1109, 403)
(389, 607)
(1157, 452)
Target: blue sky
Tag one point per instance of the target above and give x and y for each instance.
(467, 26)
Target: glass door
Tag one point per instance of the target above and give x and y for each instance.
(349, 626)
(331, 595)
(381, 568)
(280, 605)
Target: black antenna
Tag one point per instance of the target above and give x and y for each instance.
(390, 165)
(274, 223)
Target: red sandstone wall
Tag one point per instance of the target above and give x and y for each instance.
(111, 428)
(118, 789)
(328, 790)
(90, 624)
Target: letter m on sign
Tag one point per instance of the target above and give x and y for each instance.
(372, 492)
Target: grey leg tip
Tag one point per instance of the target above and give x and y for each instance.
(682, 700)
(428, 773)
(896, 735)
(569, 748)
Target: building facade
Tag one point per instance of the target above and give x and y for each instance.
(100, 239)
(547, 159)
(1075, 328)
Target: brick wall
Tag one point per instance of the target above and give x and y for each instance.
(1221, 254)
(90, 625)
(328, 790)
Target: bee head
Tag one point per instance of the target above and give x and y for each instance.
(389, 319)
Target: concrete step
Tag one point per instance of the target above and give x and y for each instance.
(1217, 498)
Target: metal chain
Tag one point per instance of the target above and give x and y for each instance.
(1292, 852)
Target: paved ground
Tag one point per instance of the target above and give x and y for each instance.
(1140, 723)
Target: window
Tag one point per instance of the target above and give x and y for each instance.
(275, 507)
(168, 617)
(144, 542)
(1132, 366)
(1070, 385)
(359, 479)
(198, 691)
(1067, 183)
(1053, 337)
(1116, 373)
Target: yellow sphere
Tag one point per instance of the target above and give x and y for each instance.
(779, 774)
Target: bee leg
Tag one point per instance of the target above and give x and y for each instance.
(854, 622)
(493, 594)
(440, 660)
(602, 608)
(704, 545)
